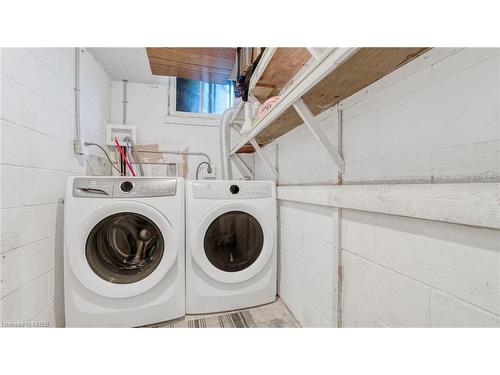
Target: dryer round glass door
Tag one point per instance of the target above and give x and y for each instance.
(124, 248)
(233, 241)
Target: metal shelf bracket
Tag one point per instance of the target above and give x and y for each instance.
(311, 123)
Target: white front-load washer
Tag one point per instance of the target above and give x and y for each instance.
(230, 245)
(123, 251)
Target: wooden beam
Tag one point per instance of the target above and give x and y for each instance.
(268, 165)
(475, 204)
(242, 167)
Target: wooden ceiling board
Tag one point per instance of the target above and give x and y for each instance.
(181, 65)
(220, 52)
(206, 64)
(171, 55)
(181, 73)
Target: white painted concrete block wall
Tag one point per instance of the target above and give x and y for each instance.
(435, 120)
(407, 272)
(308, 258)
(36, 158)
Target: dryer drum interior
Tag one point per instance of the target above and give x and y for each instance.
(124, 248)
(233, 241)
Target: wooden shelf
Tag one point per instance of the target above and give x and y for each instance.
(336, 75)
(247, 149)
(281, 68)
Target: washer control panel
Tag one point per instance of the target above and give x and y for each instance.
(123, 187)
(233, 189)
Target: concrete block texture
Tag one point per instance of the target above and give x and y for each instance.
(459, 260)
(390, 297)
(307, 263)
(37, 120)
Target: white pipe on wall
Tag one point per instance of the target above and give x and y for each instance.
(125, 102)
(78, 142)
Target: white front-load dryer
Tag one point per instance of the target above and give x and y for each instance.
(230, 245)
(123, 251)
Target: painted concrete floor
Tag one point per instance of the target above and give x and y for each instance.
(272, 315)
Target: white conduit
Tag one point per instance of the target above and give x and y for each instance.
(77, 143)
(125, 102)
(225, 144)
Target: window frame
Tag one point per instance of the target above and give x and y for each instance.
(188, 118)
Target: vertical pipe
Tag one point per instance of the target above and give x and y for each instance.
(77, 142)
(125, 102)
(124, 121)
(340, 266)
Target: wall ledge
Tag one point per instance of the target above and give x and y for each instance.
(476, 204)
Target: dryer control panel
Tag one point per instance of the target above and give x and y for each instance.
(233, 190)
(123, 187)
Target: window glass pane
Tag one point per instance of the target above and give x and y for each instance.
(223, 99)
(205, 97)
(187, 95)
(193, 96)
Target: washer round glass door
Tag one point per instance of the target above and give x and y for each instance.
(233, 241)
(124, 248)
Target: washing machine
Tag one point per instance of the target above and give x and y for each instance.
(123, 251)
(230, 245)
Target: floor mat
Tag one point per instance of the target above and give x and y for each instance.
(273, 315)
(240, 319)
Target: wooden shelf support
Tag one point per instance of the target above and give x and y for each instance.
(311, 123)
(242, 167)
(316, 52)
(268, 165)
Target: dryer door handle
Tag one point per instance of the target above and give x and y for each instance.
(93, 191)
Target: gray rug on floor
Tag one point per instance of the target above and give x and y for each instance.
(240, 319)
(272, 315)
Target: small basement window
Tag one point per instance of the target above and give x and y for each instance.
(202, 97)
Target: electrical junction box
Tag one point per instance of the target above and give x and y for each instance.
(119, 131)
